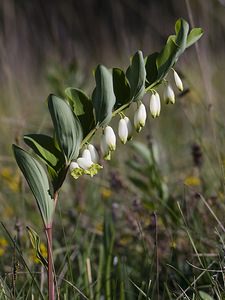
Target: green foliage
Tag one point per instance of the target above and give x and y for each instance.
(205, 296)
(35, 242)
(121, 88)
(37, 181)
(146, 174)
(194, 35)
(67, 127)
(103, 96)
(136, 76)
(159, 64)
(44, 146)
(82, 108)
(151, 68)
(75, 120)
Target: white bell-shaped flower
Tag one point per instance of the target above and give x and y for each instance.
(94, 153)
(74, 165)
(169, 95)
(123, 131)
(155, 105)
(84, 165)
(129, 128)
(110, 138)
(85, 161)
(178, 81)
(140, 117)
(105, 148)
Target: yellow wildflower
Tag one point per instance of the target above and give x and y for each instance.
(173, 244)
(99, 228)
(3, 245)
(10, 178)
(125, 240)
(106, 192)
(192, 181)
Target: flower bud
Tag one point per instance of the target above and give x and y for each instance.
(94, 153)
(140, 117)
(129, 128)
(155, 105)
(169, 96)
(178, 81)
(123, 131)
(110, 138)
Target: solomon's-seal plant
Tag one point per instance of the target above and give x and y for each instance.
(78, 116)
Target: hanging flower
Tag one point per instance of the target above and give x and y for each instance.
(123, 131)
(178, 81)
(110, 138)
(105, 148)
(140, 117)
(129, 128)
(155, 105)
(73, 165)
(93, 152)
(169, 95)
(85, 161)
(84, 165)
(75, 170)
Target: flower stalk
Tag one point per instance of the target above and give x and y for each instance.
(51, 285)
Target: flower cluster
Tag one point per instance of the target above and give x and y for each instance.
(169, 96)
(87, 163)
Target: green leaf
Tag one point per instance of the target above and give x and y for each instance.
(135, 165)
(151, 68)
(121, 87)
(139, 183)
(37, 181)
(44, 146)
(67, 127)
(174, 47)
(82, 108)
(205, 296)
(35, 242)
(166, 58)
(194, 36)
(103, 96)
(136, 75)
(181, 28)
(142, 151)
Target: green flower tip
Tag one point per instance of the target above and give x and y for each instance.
(92, 170)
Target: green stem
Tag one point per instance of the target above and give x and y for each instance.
(51, 287)
(48, 231)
